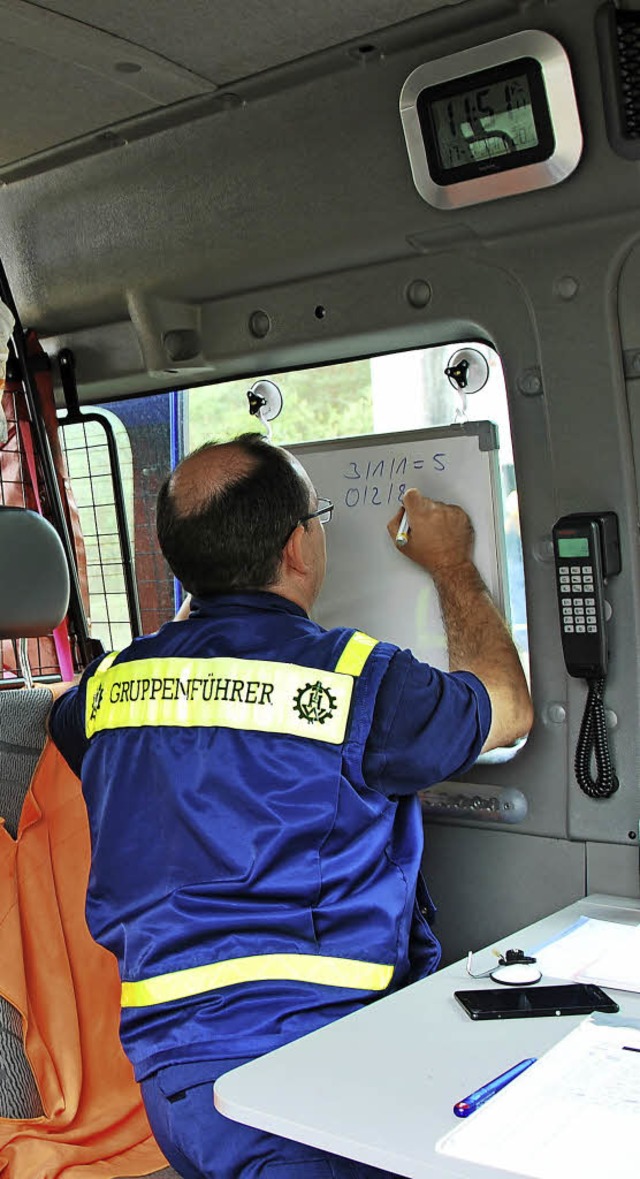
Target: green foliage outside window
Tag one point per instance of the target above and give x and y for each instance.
(331, 402)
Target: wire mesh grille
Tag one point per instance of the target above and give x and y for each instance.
(143, 432)
(86, 451)
(13, 475)
(628, 42)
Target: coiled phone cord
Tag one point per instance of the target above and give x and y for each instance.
(594, 743)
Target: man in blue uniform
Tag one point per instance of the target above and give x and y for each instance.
(251, 780)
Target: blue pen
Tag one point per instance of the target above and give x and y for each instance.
(470, 1104)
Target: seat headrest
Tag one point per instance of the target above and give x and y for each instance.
(34, 577)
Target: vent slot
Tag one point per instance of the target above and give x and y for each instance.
(618, 36)
(628, 46)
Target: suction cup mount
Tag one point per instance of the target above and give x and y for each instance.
(467, 370)
(265, 402)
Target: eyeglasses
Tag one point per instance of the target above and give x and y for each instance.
(323, 512)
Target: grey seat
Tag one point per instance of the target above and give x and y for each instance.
(34, 588)
(34, 592)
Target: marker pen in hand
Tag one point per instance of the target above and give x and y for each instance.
(470, 1104)
(402, 535)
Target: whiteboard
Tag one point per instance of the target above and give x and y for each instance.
(369, 584)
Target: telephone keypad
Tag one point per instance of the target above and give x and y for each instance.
(579, 609)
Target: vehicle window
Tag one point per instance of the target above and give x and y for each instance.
(380, 394)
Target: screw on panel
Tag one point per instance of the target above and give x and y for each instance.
(418, 293)
(556, 714)
(566, 287)
(259, 324)
(181, 344)
(530, 382)
(542, 550)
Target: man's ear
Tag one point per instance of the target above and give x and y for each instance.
(294, 553)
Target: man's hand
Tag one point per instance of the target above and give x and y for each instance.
(60, 687)
(478, 639)
(440, 537)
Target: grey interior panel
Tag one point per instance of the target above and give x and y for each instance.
(518, 878)
(612, 869)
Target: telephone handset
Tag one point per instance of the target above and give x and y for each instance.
(587, 551)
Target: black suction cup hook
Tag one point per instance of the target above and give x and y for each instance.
(515, 957)
(265, 402)
(256, 403)
(514, 969)
(467, 370)
(457, 374)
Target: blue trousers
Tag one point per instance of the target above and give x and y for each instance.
(202, 1144)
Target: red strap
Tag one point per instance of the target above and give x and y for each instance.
(61, 632)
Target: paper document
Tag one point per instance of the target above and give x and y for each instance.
(603, 952)
(576, 1112)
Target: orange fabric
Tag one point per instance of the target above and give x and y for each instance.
(67, 989)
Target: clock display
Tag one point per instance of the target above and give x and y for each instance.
(485, 122)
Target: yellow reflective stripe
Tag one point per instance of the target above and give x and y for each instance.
(105, 664)
(245, 694)
(311, 968)
(356, 653)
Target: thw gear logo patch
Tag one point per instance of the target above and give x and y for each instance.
(315, 703)
(96, 702)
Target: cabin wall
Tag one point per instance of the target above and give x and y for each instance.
(295, 194)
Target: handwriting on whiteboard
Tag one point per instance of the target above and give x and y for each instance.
(384, 481)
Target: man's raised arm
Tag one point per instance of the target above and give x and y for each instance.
(441, 541)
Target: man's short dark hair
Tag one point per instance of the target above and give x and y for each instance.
(234, 540)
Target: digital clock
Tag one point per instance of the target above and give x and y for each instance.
(492, 121)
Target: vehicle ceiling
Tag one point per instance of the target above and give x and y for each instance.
(73, 70)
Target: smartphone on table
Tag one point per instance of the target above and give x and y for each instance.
(527, 1002)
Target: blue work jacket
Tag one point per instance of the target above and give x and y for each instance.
(249, 881)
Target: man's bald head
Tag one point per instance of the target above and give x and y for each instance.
(225, 513)
(205, 473)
